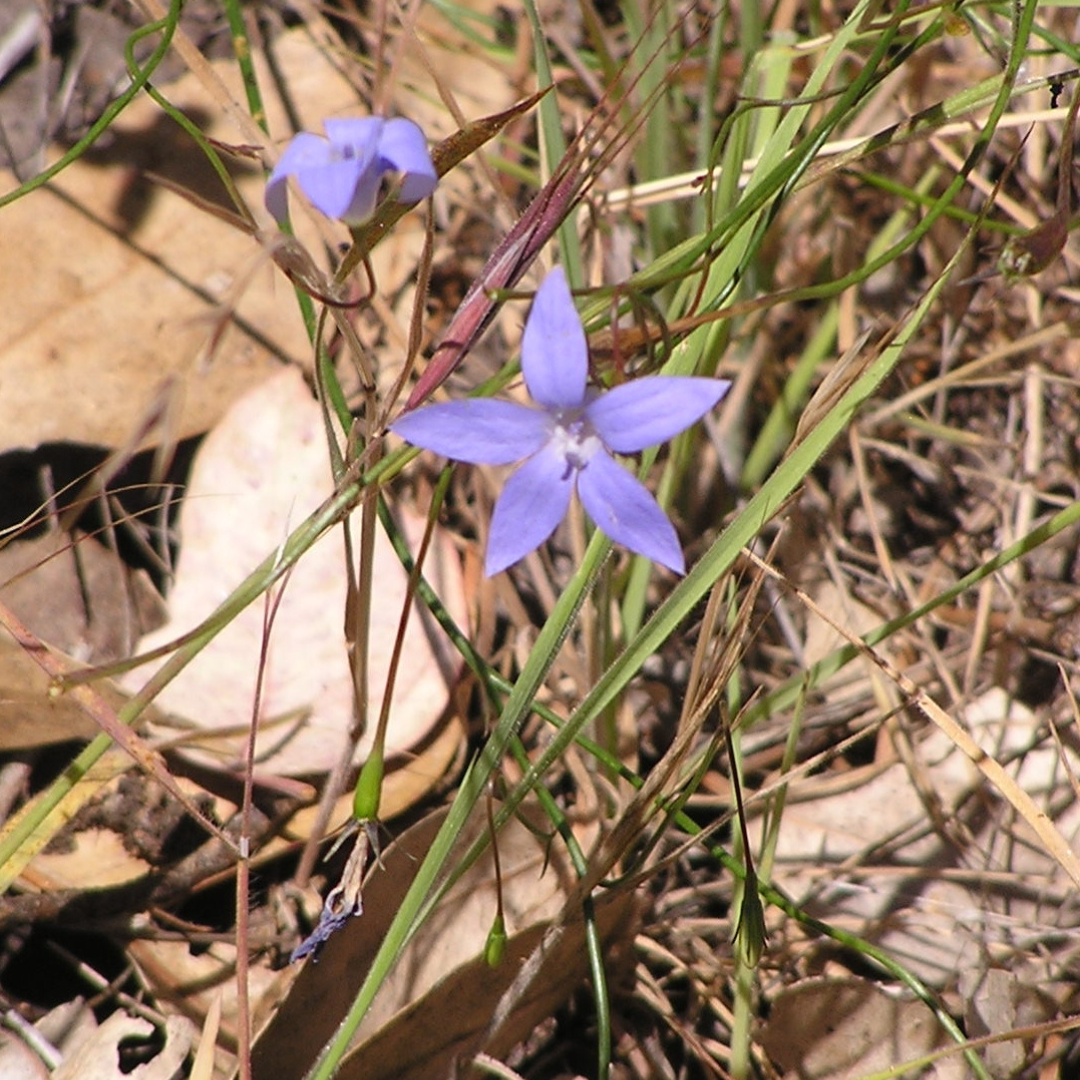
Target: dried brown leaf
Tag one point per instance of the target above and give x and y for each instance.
(256, 476)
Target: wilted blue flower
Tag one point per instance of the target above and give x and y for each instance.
(341, 174)
(567, 442)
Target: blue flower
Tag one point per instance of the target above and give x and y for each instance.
(341, 174)
(567, 443)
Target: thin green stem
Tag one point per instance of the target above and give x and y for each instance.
(417, 903)
(242, 50)
(166, 27)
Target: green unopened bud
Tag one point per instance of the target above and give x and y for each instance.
(750, 933)
(495, 946)
(369, 787)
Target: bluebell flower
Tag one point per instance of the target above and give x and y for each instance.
(341, 173)
(566, 444)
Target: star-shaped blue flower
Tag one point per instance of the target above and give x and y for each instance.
(567, 442)
(341, 174)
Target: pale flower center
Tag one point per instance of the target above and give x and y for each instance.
(574, 438)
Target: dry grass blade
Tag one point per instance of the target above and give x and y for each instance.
(204, 71)
(1020, 800)
(103, 715)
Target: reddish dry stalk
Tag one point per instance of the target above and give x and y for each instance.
(504, 270)
(551, 206)
(99, 710)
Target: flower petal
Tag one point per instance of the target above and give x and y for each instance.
(652, 410)
(402, 146)
(533, 502)
(624, 510)
(554, 353)
(477, 430)
(332, 188)
(305, 151)
(364, 197)
(355, 137)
